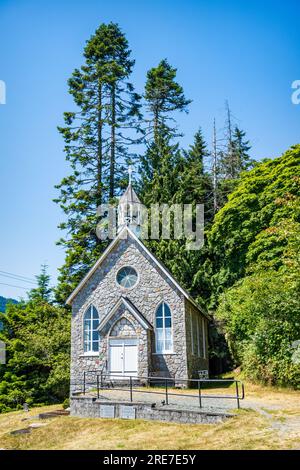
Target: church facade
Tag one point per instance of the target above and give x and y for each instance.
(130, 317)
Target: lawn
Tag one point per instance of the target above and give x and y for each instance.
(270, 420)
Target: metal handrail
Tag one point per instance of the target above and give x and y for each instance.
(165, 381)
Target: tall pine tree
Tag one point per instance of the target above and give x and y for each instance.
(97, 138)
(195, 183)
(170, 176)
(43, 291)
(163, 97)
(233, 158)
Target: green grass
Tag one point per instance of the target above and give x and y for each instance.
(270, 419)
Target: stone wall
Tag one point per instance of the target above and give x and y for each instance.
(195, 363)
(103, 292)
(123, 327)
(90, 408)
(123, 324)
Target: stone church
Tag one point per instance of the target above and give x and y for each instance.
(130, 317)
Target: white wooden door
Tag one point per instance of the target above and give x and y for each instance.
(116, 357)
(123, 357)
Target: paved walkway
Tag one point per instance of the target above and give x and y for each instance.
(283, 415)
(191, 401)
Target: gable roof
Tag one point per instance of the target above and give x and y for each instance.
(129, 196)
(129, 305)
(121, 236)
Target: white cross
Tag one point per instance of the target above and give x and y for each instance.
(130, 171)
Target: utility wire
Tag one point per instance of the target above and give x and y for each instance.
(14, 278)
(10, 285)
(17, 277)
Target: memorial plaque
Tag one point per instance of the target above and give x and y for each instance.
(127, 412)
(107, 411)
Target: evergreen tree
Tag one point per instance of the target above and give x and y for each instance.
(195, 187)
(159, 169)
(238, 235)
(97, 138)
(37, 338)
(241, 147)
(232, 159)
(170, 176)
(163, 96)
(235, 157)
(195, 183)
(43, 292)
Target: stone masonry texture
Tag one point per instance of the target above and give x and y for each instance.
(89, 407)
(152, 288)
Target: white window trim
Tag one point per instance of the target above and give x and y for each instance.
(198, 335)
(164, 351)
(204, 338)
(90, 352)
(125, 289)
(192, 330)
(196, 321)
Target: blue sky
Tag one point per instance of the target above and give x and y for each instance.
(245, 52)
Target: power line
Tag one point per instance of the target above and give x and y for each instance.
(10, 285)
(17, 277)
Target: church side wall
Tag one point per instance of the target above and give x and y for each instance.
(196, 341)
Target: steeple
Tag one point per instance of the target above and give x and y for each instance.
(129, 209)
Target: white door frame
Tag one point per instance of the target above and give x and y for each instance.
(122, 342)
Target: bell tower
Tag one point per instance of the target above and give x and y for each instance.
(129, 209)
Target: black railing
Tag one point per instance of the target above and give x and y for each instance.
(105, 381)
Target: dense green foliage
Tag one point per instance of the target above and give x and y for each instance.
(260, 228)
(253, 207)
(4, 302)
(261, 314)
(262, 324)
(37, 337)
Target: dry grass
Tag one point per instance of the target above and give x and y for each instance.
(248, 430)
(273, 422)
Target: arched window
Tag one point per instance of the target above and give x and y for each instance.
(163, 327)
(90, 332)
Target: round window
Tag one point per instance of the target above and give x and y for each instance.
(127, 277)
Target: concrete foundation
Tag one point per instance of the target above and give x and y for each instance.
(90, 407)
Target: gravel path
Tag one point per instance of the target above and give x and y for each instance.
(283, 416)
(183, 402)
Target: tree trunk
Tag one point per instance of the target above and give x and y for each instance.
(99, 147)
(113, 143)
